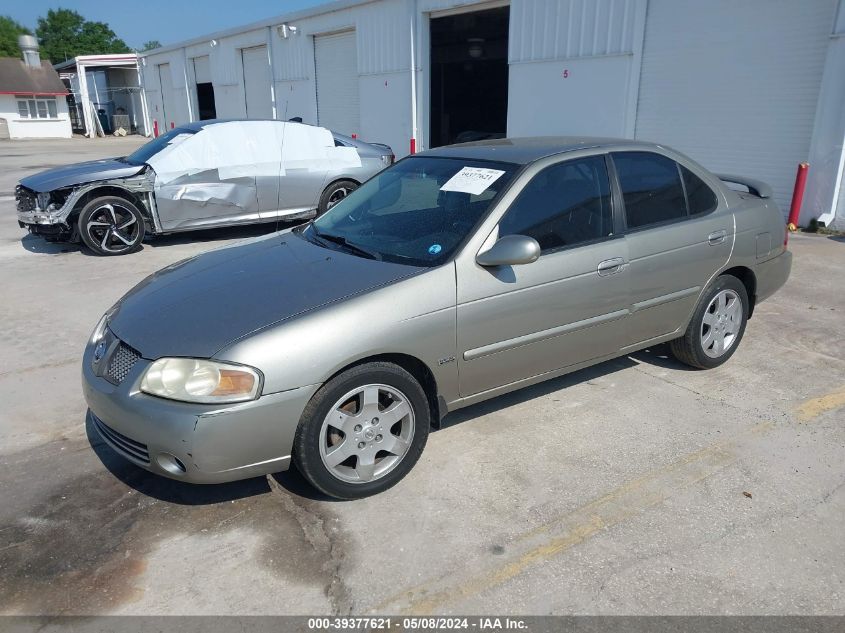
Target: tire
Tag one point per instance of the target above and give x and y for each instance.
(334, 193)
(360, 460)
(111, 226)
(712, 324)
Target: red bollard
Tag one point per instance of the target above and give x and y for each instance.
(172, 125)
(797, 196)
(155, 128)
(413, 146)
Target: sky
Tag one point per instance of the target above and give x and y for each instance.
(168, 21)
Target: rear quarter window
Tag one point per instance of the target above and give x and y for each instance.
(700, 197)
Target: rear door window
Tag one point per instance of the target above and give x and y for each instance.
(651, 188)
(564, 205)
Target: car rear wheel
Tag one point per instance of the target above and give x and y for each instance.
(334, 193)
(362, 431)
(717, 325)
(111, 226)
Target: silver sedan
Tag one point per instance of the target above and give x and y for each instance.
(452, 277)
(199, 175)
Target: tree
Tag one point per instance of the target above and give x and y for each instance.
(148, 46)
(9, 31)
(64, 34)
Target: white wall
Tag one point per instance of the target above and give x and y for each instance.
(717, 58)
(180, 111)
(737, 90)
(35, 128)
(382, 33)
(574, 66)
(825, 195)
(383, 70)
(590, 101)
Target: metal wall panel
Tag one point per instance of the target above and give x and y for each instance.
(735, 85)
(226, 57)
(383, 37)
(565, 29)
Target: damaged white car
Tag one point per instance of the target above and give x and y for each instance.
(199, 175)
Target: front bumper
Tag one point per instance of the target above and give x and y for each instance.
(210, 443)
(42, 218)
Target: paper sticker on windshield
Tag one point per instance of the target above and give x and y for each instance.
(434, 249)
(474, 180)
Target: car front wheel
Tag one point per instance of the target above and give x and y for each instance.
(111, 226)
(362, 431)
(717, 325)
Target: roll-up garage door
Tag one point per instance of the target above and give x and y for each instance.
(257, 89)
(336, 61)
(202, 70)
(737, 94)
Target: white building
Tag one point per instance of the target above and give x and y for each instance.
(110, 86)
(32, 97)
(751, 87)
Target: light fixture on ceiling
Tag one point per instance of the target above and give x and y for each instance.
(476, 50)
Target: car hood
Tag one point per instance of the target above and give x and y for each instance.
(79, 174)
(198, 306)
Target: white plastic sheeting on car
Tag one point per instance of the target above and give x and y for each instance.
(240, 152)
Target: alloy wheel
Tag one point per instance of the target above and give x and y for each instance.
(338, 195)
(721, 323)
(367, 433)
(113, 227)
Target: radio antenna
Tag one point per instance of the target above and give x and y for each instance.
(281, 163)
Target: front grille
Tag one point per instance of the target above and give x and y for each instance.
(25, 199)
(122, 444)
(121, 363)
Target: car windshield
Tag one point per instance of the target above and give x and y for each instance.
(417, 212)
(148, 150)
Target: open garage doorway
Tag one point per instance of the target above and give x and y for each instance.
(469, 76)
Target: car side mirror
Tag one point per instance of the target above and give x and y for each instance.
(510, 250)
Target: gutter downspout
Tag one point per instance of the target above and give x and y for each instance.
(413, 144)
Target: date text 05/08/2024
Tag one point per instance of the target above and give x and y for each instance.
(416, 623)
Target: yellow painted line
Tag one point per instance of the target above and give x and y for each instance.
(552, 539)
(810, 409)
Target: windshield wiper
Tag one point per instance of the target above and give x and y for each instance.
(342, 241)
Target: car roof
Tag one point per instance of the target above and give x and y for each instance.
(526, 150)
(196, 126)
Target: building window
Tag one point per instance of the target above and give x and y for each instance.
(32, 107)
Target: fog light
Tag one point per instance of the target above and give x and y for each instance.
(171, 464)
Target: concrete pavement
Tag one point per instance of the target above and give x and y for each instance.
(634, 487)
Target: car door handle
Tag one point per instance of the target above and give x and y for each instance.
(716, 237)
(610, 266)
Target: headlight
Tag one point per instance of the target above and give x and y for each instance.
(100, 330)
(204, 381)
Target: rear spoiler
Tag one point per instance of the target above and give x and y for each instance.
(756, 187)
